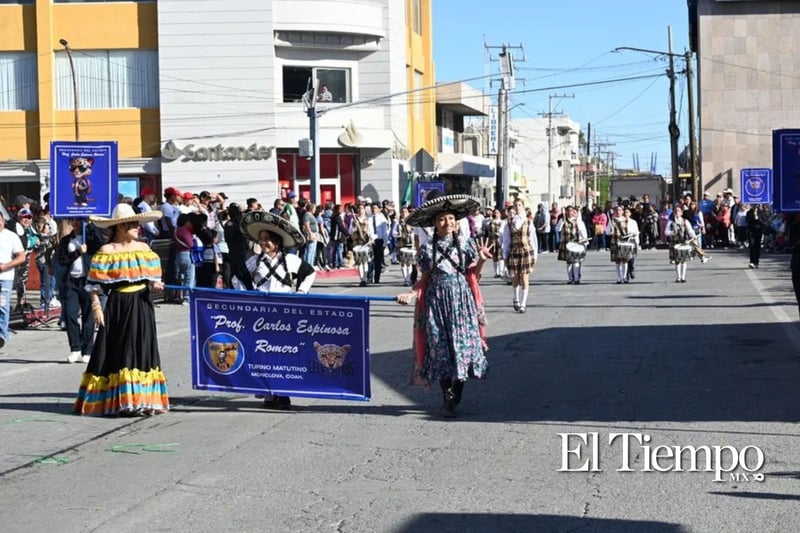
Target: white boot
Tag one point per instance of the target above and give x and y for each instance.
(75, 357)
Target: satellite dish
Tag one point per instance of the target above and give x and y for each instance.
(350, 137)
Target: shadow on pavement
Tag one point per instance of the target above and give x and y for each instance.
(451, 522)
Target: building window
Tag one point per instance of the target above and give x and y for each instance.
(19, 88)
(298, 80)
(417, 14)
(108, 79)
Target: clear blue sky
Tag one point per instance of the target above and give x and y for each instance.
(572, 42)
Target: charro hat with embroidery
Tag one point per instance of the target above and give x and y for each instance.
(460, 205)
(124, 213)
(255, 222)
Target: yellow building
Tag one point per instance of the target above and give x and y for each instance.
(36, 86)
(421, 73)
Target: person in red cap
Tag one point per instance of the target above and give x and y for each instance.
(144, 205)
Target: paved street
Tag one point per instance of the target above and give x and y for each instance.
(712, 362)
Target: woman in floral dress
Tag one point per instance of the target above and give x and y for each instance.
(448, 333)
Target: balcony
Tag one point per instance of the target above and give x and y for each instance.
(461, 99)
(340, 24)
(466, 165)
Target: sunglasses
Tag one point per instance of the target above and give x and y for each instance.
(26, 216)
(82, 168)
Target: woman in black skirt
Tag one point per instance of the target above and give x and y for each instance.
(124, 377)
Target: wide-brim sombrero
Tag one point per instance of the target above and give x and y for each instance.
(460, 205)
(255, 222)
(124, 213)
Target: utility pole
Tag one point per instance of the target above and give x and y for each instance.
(674, 132)
(549, 114)
(313, 135)
(692, 134)
(68, 50)
(507, 80)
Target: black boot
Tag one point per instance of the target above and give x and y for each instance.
(458, 389)
(449, 397)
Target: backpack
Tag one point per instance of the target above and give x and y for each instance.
(196, 252)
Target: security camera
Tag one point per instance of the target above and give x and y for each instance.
(63, 42)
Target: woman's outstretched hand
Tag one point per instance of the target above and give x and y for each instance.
(484, 248)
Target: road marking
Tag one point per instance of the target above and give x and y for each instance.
(788, 324)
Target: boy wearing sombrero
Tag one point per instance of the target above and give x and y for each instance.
(274, 270)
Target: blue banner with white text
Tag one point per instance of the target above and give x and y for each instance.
(287, 345)
(786, 169)
(83, 178)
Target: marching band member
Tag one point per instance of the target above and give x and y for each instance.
(520, 250)
(621, 247)
(633, 236)
(680, 232)
(572, 229)
(495, 230)
(274, 270)
(404, 237)
(359, 234)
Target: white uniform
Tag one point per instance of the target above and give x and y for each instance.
(269, 274)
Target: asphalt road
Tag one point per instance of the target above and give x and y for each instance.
(712, 362)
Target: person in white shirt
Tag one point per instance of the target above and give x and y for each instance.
(680, 234)
(12, 254)
(520, 250)
(274, 270)
(379, 235)
(150, 229)
(572, 229)
(633, 232)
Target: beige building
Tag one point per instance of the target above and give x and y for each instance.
(747, 65)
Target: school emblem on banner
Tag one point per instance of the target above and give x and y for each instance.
(292, 346)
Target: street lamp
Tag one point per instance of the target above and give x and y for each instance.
(65, 44)
(674, 132)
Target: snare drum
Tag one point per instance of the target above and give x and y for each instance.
(683, 253)
(576, 252)
(363, 254)
(407, 256)
(626, 250)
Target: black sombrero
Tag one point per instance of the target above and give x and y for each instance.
(255, 222)
(460, 205)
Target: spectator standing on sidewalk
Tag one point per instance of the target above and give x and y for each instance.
(12, 254)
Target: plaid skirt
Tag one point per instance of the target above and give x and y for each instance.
(520, 261)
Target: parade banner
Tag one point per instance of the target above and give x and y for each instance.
(83, 178)
(786, 169)
(756, 185)
(251, 342)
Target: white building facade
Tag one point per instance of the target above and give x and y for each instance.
(547, 165)
(232, 82)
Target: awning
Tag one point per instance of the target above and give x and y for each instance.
(466, 165)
